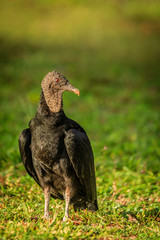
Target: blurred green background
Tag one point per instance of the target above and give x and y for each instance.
(110, 50)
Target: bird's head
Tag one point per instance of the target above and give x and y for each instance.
(56, 82)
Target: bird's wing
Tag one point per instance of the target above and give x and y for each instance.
(26, 155)
(81, 156)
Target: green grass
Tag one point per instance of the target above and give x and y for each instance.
(110, 51)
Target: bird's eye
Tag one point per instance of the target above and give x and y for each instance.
(57, 80)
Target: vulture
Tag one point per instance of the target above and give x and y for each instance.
(56, 151)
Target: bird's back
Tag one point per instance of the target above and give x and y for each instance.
(50, 157)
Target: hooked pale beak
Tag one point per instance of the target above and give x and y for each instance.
(76, 91)
(73, 89)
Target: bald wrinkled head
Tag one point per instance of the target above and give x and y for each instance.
(53, 85)
(57, 82)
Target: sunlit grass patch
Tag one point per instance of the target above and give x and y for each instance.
(122, 210)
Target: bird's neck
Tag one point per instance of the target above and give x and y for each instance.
(53, 99)
(50, 103)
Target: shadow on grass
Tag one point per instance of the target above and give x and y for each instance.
(147, 215)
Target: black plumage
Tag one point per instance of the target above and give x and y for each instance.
(56, 151)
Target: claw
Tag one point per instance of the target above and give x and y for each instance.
(65, 218)
(46, 216)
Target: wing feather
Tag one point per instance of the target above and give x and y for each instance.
(81, 156)
(26, 155)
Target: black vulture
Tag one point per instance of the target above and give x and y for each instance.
(56, 151)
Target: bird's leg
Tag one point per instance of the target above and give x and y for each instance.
(67, 199)
(47, 198)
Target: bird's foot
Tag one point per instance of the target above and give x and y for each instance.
(46, 216)
(65, 218)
